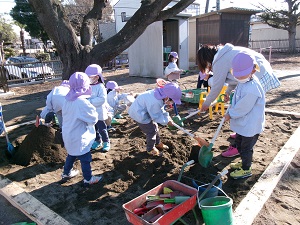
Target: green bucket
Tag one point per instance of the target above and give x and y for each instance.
(217, 210)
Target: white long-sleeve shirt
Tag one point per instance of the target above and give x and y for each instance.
(78, 128)
(247, 111)
(146, 108)
(54, 102)
(99, 100)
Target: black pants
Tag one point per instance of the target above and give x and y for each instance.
(245, 148)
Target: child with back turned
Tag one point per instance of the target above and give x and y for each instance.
(247, 112)
(79, 118)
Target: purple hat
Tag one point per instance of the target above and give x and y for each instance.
(171, 90)
(174, 54)
(93, 70)
(65, 83)
(112, 85)
(243, 64)
(79, 85)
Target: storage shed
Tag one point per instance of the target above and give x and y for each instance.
(230, 25)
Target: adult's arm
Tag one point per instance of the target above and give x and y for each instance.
(219, 78)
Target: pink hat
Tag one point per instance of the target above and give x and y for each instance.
(93, 70)
(112, 85)
(174, 54)
(79, 86)
(243, 64)
(170, 90)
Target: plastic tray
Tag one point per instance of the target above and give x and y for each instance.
(192, 95)
(170, 216)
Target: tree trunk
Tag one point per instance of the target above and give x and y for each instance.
(77, 56)
(206, 6)
(22, 41)
(292, 41)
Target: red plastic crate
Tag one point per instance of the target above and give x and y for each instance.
(170, 216)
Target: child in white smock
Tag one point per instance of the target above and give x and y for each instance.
(247, 111)
(148, 110)
(99, 100)
(78, 129)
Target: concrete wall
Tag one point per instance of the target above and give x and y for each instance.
(260, 31)
(263, 36)
(147, 53)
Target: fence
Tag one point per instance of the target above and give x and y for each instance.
(17, 74)
(25, 72)
(277, 45)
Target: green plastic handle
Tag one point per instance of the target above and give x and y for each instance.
(177, 199)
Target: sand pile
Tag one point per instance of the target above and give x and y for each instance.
(41, 145)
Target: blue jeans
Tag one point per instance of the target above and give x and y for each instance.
(152, 135)
(85, 161)
(245, 148)
(101, 131)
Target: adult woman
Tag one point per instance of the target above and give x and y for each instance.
(218, 59)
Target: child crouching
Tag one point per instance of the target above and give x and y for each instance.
(148, 110)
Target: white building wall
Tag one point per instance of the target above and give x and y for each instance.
(128, 6)
(107, 30)
(147, 56)
(183, 44)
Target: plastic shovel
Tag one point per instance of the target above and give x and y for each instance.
(201, 141)
(10, 147)
(205, 154)
(179, 121)
(176, 117)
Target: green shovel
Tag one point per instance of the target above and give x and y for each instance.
(205, 154)
(179, 121)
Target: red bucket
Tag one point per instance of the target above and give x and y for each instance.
(170, 216)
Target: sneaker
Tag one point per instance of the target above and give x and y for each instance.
(118, 116)
(154, 152)
(236, 165)
(93, 180)
(240, 173)
(233, 135)
(162, 146)
(106, 146)
(71, 174)
(96, 145)
(230, 152)
(110, 128)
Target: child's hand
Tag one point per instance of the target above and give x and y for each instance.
(226, 97)
(170, 122)
(227, 117)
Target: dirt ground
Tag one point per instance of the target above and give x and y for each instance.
(128, 170)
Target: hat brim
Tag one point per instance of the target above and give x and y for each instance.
(243, 72)
(177, 101)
